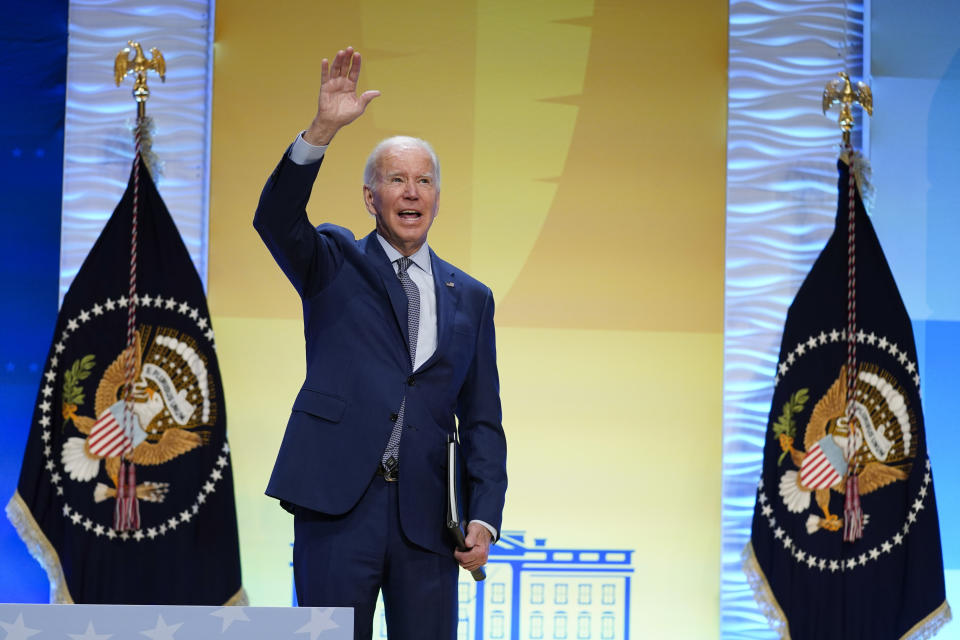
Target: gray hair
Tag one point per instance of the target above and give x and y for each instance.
(370, 170)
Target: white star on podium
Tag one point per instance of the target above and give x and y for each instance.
(162, 631)
(90, 634)
(230, 615)
(17, 630)
(319, 622)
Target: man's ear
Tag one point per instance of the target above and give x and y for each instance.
(368, 200)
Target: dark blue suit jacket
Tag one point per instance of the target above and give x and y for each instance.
(358, 371)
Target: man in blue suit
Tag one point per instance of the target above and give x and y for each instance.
(400, 354)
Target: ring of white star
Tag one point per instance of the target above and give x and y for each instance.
(99, 309)
(844, 564)
(840, 336)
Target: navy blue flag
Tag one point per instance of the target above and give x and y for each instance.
(168, 456)
(809, 582)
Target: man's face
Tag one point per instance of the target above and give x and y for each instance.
(403, 197)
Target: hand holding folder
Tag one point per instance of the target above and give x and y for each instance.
(453, 505)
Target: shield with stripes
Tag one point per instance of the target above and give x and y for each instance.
(820, 470)
(108, 437)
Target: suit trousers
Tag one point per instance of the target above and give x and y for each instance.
(345, 560)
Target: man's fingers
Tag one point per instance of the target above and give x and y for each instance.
(354, 72)
(345, 59)
(479, 547)
(338, 103)
(335, 69)
(478, 541)
(367, 96)
(465, 556)
(471, 560)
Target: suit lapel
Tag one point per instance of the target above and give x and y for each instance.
(383, 267)
(448, 296)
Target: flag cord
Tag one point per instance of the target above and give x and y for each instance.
(127, 512)
(852, 511)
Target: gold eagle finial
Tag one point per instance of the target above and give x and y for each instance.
(138, 66)
(840, 91)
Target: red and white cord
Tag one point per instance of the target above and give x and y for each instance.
(852, 510)
(127, 511)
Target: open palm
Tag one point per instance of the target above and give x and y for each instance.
(338, 104)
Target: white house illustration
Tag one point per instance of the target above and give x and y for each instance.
(535, 592)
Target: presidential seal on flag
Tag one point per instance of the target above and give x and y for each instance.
(174, 407)
(126, 491)
(884, 442)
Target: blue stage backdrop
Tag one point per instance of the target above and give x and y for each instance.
(33, 66)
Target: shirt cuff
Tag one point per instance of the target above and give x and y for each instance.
(302, 152)
(493, 532)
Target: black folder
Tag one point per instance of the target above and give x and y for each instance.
(454, 526)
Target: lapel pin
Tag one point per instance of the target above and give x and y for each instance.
(449, 284)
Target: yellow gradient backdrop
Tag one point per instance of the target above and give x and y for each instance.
(582, 145)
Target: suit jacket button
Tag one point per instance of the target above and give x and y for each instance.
(410, 381)
(393, 417)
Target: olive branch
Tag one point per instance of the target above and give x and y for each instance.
(785, 424)
(79, 371)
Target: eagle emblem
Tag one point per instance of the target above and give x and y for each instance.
(123, 64)
(841, 91)
(884, 443)
(171, 403)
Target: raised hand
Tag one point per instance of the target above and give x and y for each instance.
(338, 104)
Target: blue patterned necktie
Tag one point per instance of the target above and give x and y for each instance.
(392, 452)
